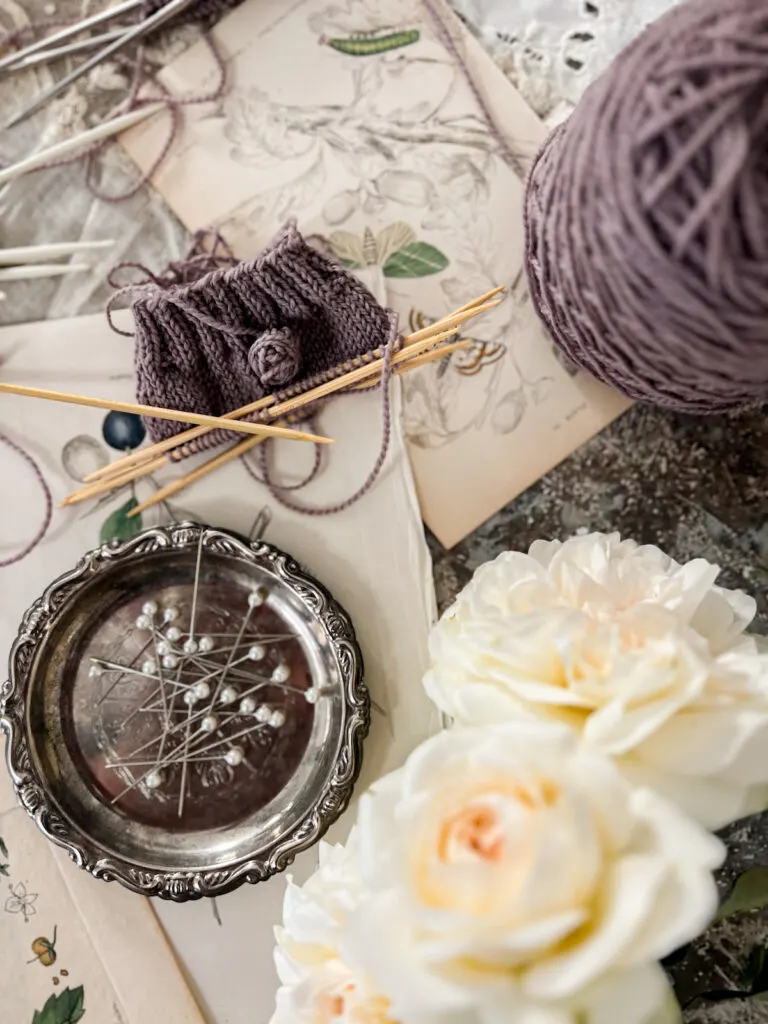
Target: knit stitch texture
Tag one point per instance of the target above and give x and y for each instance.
(237, 334)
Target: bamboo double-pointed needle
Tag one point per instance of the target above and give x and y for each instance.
(480, 300)
(424, 338)
(269, 403)
(103, 484)
(372, 369)
(432, 334)
(417, 361)
(113, 482)
(197, 474)
(244, 446)
(213, 422)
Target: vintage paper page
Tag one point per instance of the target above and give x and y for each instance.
(373, 558)
(71, 947)
(355, 118)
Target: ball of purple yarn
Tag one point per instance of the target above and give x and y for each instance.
(647, 215)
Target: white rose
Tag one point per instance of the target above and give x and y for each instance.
(513, 880)
(645, 658)
(317, 987)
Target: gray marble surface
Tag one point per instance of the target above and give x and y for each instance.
(695, 487)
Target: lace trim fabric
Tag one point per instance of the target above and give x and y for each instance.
(552, 49)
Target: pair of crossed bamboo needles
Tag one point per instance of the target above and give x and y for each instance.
(424, 346)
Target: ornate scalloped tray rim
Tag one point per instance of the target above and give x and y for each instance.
(188, 885)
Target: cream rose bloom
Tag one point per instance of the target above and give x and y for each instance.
(317, 987)
(645, 658)
(510, 879)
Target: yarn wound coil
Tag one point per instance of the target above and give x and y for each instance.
(647, 215)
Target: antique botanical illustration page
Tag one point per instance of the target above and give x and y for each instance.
(358, 118)
(73, 948)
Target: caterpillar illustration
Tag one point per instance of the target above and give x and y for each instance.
(368, 46)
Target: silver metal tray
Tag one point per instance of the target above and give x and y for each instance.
(184, 782)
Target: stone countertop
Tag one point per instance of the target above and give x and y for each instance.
(696, 487)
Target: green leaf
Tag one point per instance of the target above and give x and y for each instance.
(419, 259)
(3, 849)
(754, 977)
(749, 893)
(63, 1008)
(118, 526)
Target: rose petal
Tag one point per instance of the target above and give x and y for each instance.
(722, 616)
(711, 802)
(377, 940)
(730, 743)
(629, 996)
(631, 886)
(503, 949)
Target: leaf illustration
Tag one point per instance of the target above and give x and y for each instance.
(118, 526)
(509, 412)
(3, 848)
(394, 237)
(419, 259)
(4, 869)
(63, 1008)
(749, 893)
(348, 248)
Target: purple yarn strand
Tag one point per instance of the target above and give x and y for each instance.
(311, 475)
(48, 513)
(277, 492)
(446, 37)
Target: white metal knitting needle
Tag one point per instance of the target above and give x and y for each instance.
(46, 56)
(149, 24)
(33, 270)
(72, 30)
(37, 253)
(61, 149)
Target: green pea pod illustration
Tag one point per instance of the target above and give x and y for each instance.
(368, 46)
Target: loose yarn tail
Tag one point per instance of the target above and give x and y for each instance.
(48, 513)
(278, 491)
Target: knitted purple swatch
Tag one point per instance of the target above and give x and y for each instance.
(647, 215)
(243, 332)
